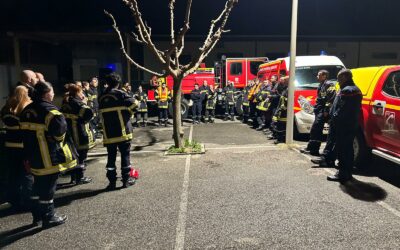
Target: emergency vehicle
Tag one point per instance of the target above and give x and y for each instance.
(307, 68)
(379, 131)
(238, 70)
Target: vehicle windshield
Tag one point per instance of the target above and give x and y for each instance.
(306, 77)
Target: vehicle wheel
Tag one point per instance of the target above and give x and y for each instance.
(238, 106)
(184, 108)
(362, 153)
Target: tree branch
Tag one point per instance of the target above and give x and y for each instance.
(124, 50)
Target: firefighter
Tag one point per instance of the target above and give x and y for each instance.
(263, 103)
(204, 90)
(274, 98)
(229, 94)
(20, 181)
(116, 108)
(163, 96)
(126, 87)
(196, 97)
(344, 116)
(78, 116)
(325, 95)
(142, 110)
(210, 106)
(94, 103)
(245, 101)
(280, 117)
(253, 101)
(47, 152)
(270, 110)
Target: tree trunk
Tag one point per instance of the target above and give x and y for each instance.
(176, 116)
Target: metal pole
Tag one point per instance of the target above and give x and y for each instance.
(292, 75)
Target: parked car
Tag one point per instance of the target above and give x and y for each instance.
(379, 131)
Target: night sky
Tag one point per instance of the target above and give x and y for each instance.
(250, 17)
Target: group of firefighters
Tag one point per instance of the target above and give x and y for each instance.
(43, 140)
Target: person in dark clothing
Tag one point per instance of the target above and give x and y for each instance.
(196, 97)
(246, 102)
(127, 89)
(78, 115)
(116, 108)
(47, 152)
(94, 103)
(210, 105)
(344, 115)
(280, 116)
(270, 111)
(229, 94)
(20, 180)
(204, 90)
(142, 110)
(263, 103)
(325, 95)
(162, 96)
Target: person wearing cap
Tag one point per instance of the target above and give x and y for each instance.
(229, 94)
(196, 96)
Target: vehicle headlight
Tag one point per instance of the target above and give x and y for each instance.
(305, 105)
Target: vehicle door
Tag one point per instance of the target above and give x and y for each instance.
(385, 112)
(236, 72)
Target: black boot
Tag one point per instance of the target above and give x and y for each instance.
(55, 220)
(128, 182)
(111, 186)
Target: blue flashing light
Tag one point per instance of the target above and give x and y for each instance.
(111, 66)
(323, 53)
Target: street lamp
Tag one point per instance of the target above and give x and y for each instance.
(292, 75)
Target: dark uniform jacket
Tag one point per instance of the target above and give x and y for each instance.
(116, 109)
(196, 95)
(162, 96)
(94, 99)
(262, 97)
(346, 108)
(229, 93)
(281, 111)
(245, 93)
(13, 138)
(142, 98)
(78, 116)
(204, 92)
(211, 99)
(325, 96)
(47, 149)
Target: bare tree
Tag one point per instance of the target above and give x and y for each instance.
(170, 58)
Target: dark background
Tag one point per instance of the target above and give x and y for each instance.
(250, 17)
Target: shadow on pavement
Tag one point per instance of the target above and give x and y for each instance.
(364, 191)
(77, 195)
(16, 234)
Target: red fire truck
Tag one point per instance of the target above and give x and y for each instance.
(238, 70)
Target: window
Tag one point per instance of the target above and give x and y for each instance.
(392, 85)
(254, 67)
(236, 68)
(306, 77)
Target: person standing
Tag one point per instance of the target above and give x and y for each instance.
(229, 93)
(325, 95)
(263, 103)
(94, 83)
(116, 108)
(204, 90)
(280, 117)
(344, 116)
(127, 89)
(142, 110)
(20, 181)
(196, 95)
(47, 152)
(245, 100)
(210, 105)
(78, 115)
(162, 96)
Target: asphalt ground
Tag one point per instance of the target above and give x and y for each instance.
(244, 193)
